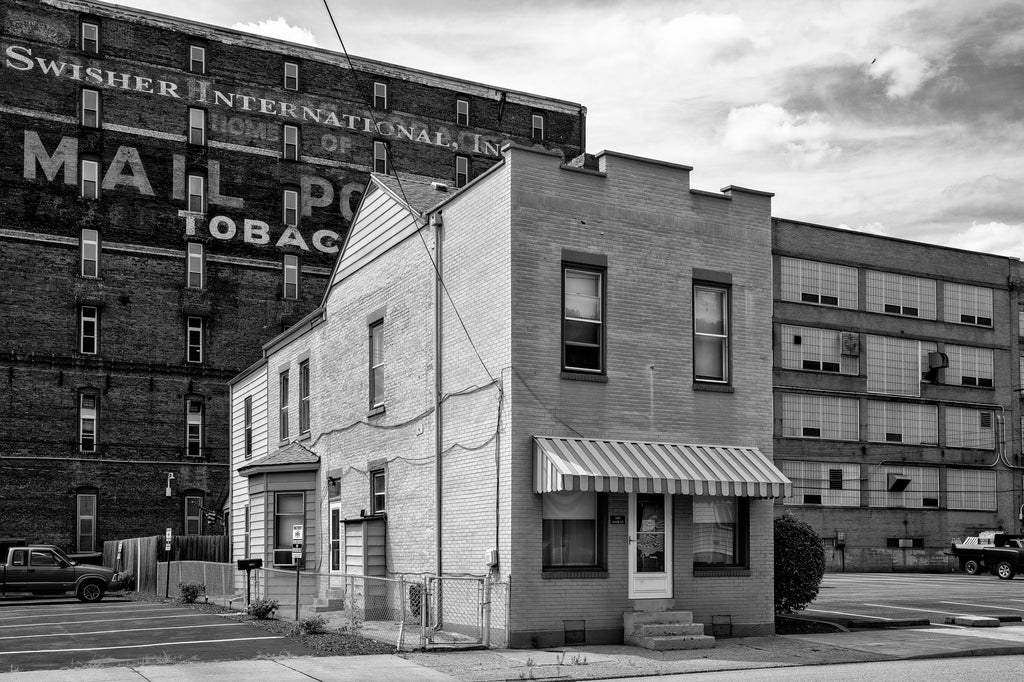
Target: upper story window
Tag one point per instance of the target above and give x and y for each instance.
(820, 350)
(971, 489)
(195, 266)
(90, 37)
(894, 422)
(537, 132)
(282, 402)
(380, 95)
(89, 116)
(197, 59)
(90, 179)
(194, 412)
(969, 366)
(196, 193)
(903, 486)
(194, 339)
(965, 304)
(583, 315)
(304, 396)
(377, 363)
(196, 126)
(291, 207)
(710, 333)
(807, 281)
(89, 329)
(462, 112)
(381, 164)
(90, 253)
(887, 292)
(88, 420)
(290, 142)
(291, 276)
(461, 171)
(291, 76)
(896, 365)
(830, 484)
(820, 416)
(378, 492)
(969, 428)
(247, 425)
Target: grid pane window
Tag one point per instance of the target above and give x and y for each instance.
(304, 396)
(820, 416)
(283, 401)
(194, 410)
(194, 343)
(90, 114)
(197, 59)
(537, 132)
(196, 193)
(971, 489)
(380, 95)
(461, 171)
(291, 207)
(196, 126)
(896, 366)
(582, 331)
(89, 327)
(193, 515)
(88, 421)
(195, 266)
(895, 294)
(969, 428)
(828, 484)
(820, 350)
(380, 158)
(710, 333)
(964, 304)
(969, 366)
(90, 179)
(86, 523)
(291, 76)
(806, 281)
(462, 112)
(90, 253)
(377, 364)
(90, 37)
(290, 138)
(892, 422)
(291, 276)
(903, 486)
(289, 511)
(378, 492)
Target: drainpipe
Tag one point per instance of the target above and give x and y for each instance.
(437, 222)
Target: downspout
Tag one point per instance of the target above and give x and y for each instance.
(437, 223)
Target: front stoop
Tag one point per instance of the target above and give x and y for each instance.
(664, 630)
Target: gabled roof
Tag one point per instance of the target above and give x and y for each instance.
(291, 457)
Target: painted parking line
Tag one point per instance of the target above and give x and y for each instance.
(110, 632)
(908, 608)
(855, 615)
(983, 606)
(139, 646)
(98, 620)
(35, 613)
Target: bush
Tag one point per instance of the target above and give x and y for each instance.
(123, 580)
(799, 564)
(191, 591)
(263, 609)
(314, 625)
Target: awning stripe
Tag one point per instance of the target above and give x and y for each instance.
(627, 466)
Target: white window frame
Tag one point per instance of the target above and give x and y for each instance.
(89, 115)
(290, 142)
(88, 414)
(90, 179)
(196, 198)
(197, 518)
(462, 112)
(290, 213)
(90, 253)
(817, 283)
(537, 123)
(194, 339)
(90, 44)
(291, 75)
(81, 517)
(89, 330)
(195, 265)
(381, 162)
(380, 95)
(290, 273)
(197, 56)
(461, 171)
(569, 320)
(283, 388)
(195, 411)
(377, 363)
(304, 400)
(717, 339)
(247, 426)
(378, 491)
(197, 126)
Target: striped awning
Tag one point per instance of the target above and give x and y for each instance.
(631, 466)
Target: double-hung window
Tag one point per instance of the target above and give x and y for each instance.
(380, 95)
(89, 329)
(247, 427)
(194, 412)
(304, 396)
(90, 38)
(197, 59)
(194, 339)
(195, 266)
(290, 140)
(710, 333)
(196, 193)
(289, 511)
(378, 491)
(90, 179)
(583, 319)
(720, 532)
(291, 76)
(462, 112)
(377, 364)
(461, 171)
(89, 116)
(537, 131)
(88, 420)
(381, 164)
(282, 402)
(291, 276)
(965, 304)
(86, 522)
(291, 207)
(90, 253)
(196, 126)
(193, 514)
(572, 535)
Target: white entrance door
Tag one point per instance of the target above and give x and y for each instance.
(650, 546)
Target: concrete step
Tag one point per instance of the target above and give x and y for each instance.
(677, 642)
(667, 629)
(645, 617)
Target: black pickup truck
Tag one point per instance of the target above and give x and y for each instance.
(971, 552)
(45, 569)
(1004, 562)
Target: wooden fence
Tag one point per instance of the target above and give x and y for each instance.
(141, 555)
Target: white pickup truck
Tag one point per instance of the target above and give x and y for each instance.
(46, 569)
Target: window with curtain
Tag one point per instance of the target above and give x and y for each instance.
(720, 532)
(572, 537)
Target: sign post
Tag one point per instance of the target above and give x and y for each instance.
(296, 558)
(167, 554)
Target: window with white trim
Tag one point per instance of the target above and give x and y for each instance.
(967, 427)
(282, 402)
(197, 59)
(88, 420)
(90, 37)
(247, 427)
(194, 413)
(196, 126)
(193, 515)
(378, 492)
(290, 264)
(304, 405)
(380, 95)
(894, 422)
(89, 116)
(969, 366)
(462, 112)
(888, 292)
(971, 489)
(710, 333)
(85, 522)
(537, 123)
(290, 140)
(820, 416)
(289, 511)
(807, 281)
(90, 179)
(583, 320)
(820, 350)
(291, 208)
(196, 193)
(377, 361)
(965, 304)
(380, 158)
(291, 76)
(829, 484)
(195, 266)
(896, 366)
(461, 171)
(89, 329)
(903, 487)
(90, 240)
(194, 339)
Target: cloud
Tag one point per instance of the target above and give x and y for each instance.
(767, 128)
(705, 37)
(278, 28)
(906, 71)
(867, 228)
(994, 237)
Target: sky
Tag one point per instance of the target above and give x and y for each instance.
(903, 118)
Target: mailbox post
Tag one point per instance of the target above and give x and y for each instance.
(248, 565)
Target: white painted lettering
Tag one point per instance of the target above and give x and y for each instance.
(76, 72)
(255, 231)
(326, 241)
(213, 176)
(247, 102)
(64, 156)
(292, 237)
(268, 106)
(328, 142)
(332, 120)
(385, 128)
(222, 227)
(351, 121)
(310, 114)
(94, 74)
(178, 177)
(50, 67)
(346, 203)
(18, 58)
(404, 132)
(287, 109)
(220, 98)
(144, 85)
(323, 196)
(190, 222)
(115, 175)
(168, 89)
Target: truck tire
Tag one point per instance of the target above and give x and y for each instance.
(1004, 569)
(90, 591)
(972, 567)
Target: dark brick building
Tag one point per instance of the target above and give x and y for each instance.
(172, 195)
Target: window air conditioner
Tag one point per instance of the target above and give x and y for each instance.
(898, 482)
(937, 360)
(850, 343)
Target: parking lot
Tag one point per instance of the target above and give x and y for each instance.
(885, 597)
(54, 633)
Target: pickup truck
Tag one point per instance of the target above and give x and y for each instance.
(970, 552)
(45, 569)
(1004, 562)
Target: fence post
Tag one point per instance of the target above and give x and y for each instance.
(487, 611)
(351, 580)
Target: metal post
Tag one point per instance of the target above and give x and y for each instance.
(296, 590)
(167, 581)
(487, 611)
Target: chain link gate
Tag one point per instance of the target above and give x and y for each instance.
(457, 612)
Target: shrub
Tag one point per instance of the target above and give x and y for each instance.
(263, 608)
(314, 625)
(799, 564)
(124, 580)
(190, 592)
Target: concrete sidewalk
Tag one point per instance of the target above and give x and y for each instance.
(577, 663)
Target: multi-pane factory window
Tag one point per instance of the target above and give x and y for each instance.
(892, 422)
(89, 116)
(895, 365)
(969, 366)
(965, 304)
(806, 281)
(819, 416)
(820, 350)
(829, 484)
(971, 489)
(895, 294)
(969, 428)
(903, 486)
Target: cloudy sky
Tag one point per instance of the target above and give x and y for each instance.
(903, 118)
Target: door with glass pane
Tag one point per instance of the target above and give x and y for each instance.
(650, 546)
(337, 540)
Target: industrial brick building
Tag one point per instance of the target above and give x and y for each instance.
(897, 384)
(172, 196)
(553, 407)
